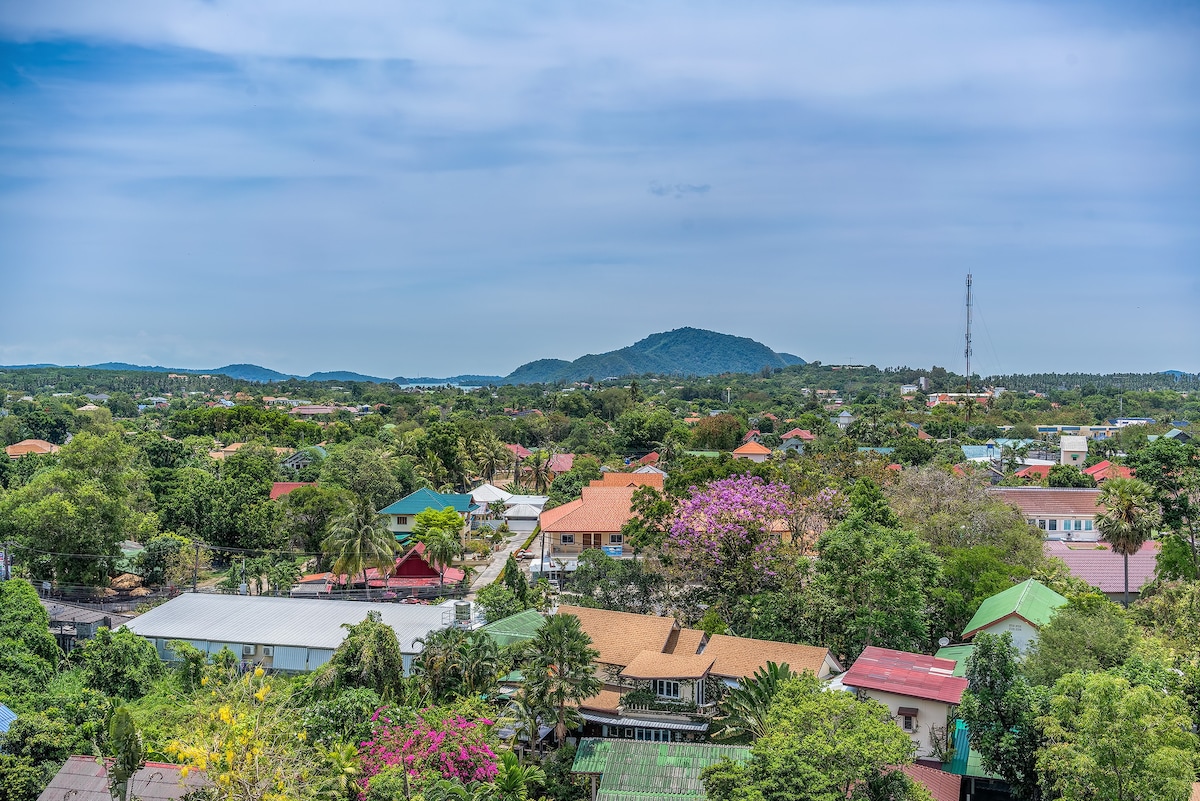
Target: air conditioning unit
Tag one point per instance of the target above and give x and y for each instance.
(248, 650)
(268, 650)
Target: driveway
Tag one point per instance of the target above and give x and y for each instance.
(492, 571)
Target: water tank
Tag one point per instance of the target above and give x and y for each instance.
(462, 612)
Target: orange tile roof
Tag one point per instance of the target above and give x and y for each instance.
(551, 516)
(653, 665)
(629, 479)
(1050, 501)
(28, 446)
(621, 636)
(751, 449)
(601, 509)
(738, 657)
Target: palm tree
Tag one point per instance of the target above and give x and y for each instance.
(559, 673)
(341, 763)
(523, 716)
(489, 455)
(744, 709)
(359, 540)
(537, 470)
(441, 548)
(1129, 518)
(514, 782)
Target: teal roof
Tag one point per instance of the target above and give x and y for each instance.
(967, 761)
(521, 627)
(424, 499)
(884, 451)
(650, 771)
(959, 653)
(1030, 600)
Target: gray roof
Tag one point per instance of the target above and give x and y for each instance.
(70, 613)
(263, 620)
(82, 778)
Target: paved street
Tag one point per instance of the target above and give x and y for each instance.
(492, 571)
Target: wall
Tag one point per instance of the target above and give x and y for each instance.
(930, 714)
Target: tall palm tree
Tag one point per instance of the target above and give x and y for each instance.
(744, 709)
(489, 455)
(522, 715)
(537, 471)
(559, 671)
(437, 664)
(441, 548)
(1129, 518)
(360, 540)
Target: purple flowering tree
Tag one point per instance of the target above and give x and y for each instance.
(452, 747)
(730, 532)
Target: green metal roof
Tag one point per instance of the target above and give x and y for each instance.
(520, 627)
(967, 761)
(424, 499)
(1030, 599)
(707, 454)
(642, 771)
(959, 654)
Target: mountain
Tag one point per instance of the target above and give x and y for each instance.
(684, 351)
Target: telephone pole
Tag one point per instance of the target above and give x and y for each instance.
(970, 400)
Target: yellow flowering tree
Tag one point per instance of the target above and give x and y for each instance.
(249, 741)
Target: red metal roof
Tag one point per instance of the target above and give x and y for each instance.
(520, 451)
(1098, 565)
(561, 462)
(1105, 470)
(942, 786)
(82, 778)
(1038, 471)
(281, 488)
(902, 673)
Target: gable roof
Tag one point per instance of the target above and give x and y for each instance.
(425, 498)
(942, 786)
(521, 627)
(1038, 471)
(751, 434)
(738, 657)
(902, 673)
(799, 433)
(561, 462)
(7, 716)
(751, 449)
(621, 636)
(642, 771)
(520, 451)
(1030, 600)
(1098, 565)
(1102, 471)
(82, 778)
(650, 458)
(629, 480)
(1050, 501)
(489, 493)
(28, 446)
(651, 665)
(600, 509)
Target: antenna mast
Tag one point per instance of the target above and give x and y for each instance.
(970, 401)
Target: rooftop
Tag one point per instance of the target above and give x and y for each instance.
(281, 488)
(83, 778)
(602, 509)
(751, 449)
(424, 498)
(1050, 502)
(738, 657)
(1030, 600)
(520, 627)
(621, 636)
(1098, 565)
(644, 771)
(651, 665)
(629, 480)
(902, 673)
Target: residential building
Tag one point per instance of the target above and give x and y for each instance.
(623, 771)
(921, 692)
(1103, 471)
(411, 576)
(304, 457)
(594, 520)
(1073, 450)
(648, 479)
(37, 447)
(844, 420)
(753, 435)
(288, 634)
(561, 462)
(71, 624)
(85, 778)
(752, 451)
(1098, 565)
(1021, 611)
(281, 488)
(1063, 513)
(520, 452)
(402, 515)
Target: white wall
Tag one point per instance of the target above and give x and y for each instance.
(1023, 633)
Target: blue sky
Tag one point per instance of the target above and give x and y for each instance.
(438, 188)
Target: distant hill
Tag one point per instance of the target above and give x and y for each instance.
(683, 352)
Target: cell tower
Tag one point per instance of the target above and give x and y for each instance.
(970, 403)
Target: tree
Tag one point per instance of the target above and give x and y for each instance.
(818, 746)
(445, 520)
(1091, 634)
(744, 709)
(489, 455)
(569, 486)
(364, 468)
(720, 432)
(120, 663)
(1108, 740)
(126, 741)
(358, 540)
(441, 548)
(308, 512)
(1129, 518)
(537, 471)
(369, 658)
(1068, 475)
(1000, 709)
(622, 585)
(498, 601)
(456, 663)
(558, 670)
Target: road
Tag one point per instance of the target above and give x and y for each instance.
(492, 571)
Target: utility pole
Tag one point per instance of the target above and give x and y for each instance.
(196, 565)
(970, 400)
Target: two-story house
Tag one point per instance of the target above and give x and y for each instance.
(596, 518)
(1063, 513)
(402, 515)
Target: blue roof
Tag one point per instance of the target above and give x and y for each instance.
(979, 451)
(7, 716)
(424, 499)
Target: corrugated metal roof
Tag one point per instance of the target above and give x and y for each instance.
(641, 770)
(7, 716)
(1030, 600)
(1098, 565)
(614, 720)
(82, 778)
(902, 673)
(425, 498)
(281, 621)
(519, 627)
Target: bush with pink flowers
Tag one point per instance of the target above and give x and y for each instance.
(438, 744)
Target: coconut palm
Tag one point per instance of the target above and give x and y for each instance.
(537, 471)
(478, 663)
(360, 540)
(523, 716)
(1129, 518)
(441, 548)
(489, 455)
(559, 673)
(743, 711)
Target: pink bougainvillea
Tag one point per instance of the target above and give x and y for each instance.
(451, 748)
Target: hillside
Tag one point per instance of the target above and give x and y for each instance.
(683, 352)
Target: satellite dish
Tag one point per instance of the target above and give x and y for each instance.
(944, 641)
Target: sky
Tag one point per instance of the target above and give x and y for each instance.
(441, 188)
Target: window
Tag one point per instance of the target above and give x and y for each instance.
(567, 539)
(1053, 525)
(1087, 525)
(616, 539)
(908, 717)
(909, 723)
(1066, 525)
(665, 688)
(401, 520)
(1042, 525)
(653, 735)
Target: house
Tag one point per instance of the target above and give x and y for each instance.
(1182, 437)
(802, 434)
(650, 459)
(1020, 610)
(37, 447)
(85, 778)
(402, 514)
(412, 575)
(281, 488)
(71, 624)
(753, 435)
(520, 451)
(304, 457)
(561, 463)
(1098, 565)
(619, 770)
(1061, 512)
(1073, 450)
(652, 479)
(921, 692)
(1034, 472)
(313, 410)
(659, 678)
(843, 420)
(594, 520)
(88, 407)
(288, 634)
(486, 494)
(752, 451)
(1103, 471)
